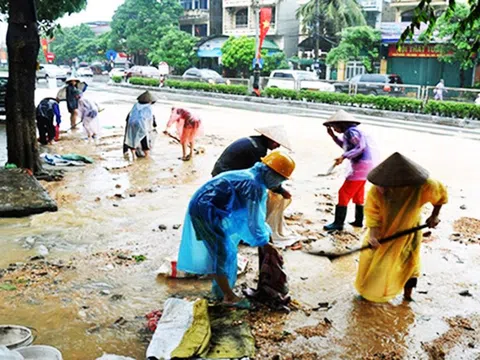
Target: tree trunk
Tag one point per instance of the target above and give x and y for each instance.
(23, 45)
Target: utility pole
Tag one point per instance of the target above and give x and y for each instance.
(255, 7)
(317, 29)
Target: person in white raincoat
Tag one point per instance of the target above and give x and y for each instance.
(88, 111)
(140, 125)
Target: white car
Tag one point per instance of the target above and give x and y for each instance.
(51, 71)
(117, 72)
(297, 80)
(85, 72)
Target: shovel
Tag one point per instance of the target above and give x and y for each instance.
(329, 171)
(176, 139)
(335, 256)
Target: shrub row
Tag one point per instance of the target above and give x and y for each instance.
(117, 79)
(440, 108)
(144, 81)
(390, 103)
(200, 86)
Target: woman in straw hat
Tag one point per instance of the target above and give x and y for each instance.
(229, 208)
(357, 149)
(189, 127)
(72, 90)
(395, 204)
(140, 124)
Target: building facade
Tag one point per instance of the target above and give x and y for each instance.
(239, 20)
(404, 8)
(196, 17)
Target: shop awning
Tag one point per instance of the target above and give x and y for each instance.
(209, 53)
(212, 47)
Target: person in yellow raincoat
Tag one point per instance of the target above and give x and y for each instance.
(394, 203)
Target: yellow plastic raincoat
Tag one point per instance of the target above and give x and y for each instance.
(383, 273)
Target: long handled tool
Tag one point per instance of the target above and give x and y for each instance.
(335, 256)
(175, 138)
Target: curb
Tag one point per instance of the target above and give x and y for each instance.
(419, 118)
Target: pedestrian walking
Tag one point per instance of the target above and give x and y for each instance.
(140, 124)
(439, 90)
(229, 208)
(188, 127)
(359, 151)
(395, 202)
(47, 109)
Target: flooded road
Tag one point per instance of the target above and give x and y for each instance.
(114, 208)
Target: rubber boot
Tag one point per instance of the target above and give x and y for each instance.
(358, 216)
(340, 215)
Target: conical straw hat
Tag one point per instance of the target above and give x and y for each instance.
(398, 171)
(72, 78)
(146, 98)
(341, 116)
(277, 134)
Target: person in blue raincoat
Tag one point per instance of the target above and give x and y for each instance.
(229, 208)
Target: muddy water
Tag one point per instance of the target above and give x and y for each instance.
(74, 310)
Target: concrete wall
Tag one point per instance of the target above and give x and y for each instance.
(288, 25)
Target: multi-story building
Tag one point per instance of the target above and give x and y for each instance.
(239, 19)
(373, 11)
(196, 17)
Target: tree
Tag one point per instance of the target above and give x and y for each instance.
(425, 13)
(274, 62)
(238, 54)
(23, 45)
(360, 43)
(138, 24)
(457, 48)
(76, 42)
(333, 16)
(175, 48)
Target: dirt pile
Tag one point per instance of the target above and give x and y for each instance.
(466, 231)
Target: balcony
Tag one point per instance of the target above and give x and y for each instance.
(370, 5)
(245, 31)
(195, 15)
(242, 3)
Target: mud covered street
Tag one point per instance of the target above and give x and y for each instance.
(85, 277)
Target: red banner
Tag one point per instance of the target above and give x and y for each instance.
(265, 19)
(413, 50)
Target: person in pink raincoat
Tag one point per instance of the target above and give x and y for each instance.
(189, 127)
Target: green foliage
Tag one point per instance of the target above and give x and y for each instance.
(78, 42)
(51, 10)
(333, 16)
(440, 108)
(176, 48)
(274, 62)
(426, 13)
(199, 86)
(144, 81)
(138, 24)
(238, 54)
(357, 43)
(7, 287)
(117, 79)
(460, 47)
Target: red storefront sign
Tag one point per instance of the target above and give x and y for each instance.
(413, 50)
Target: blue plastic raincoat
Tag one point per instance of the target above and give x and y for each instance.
(140, 124)
(228, 208)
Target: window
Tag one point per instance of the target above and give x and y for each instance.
(288, 76)
(187, 4)
(278, 75)
(186, 28)
(274, 17)
(201, 30)
(241, 18)
(201, 4)
(372, 78)
(407, 16)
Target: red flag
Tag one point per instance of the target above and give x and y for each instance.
(265, 19)
(44, 43)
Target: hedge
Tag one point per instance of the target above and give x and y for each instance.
(117, 79)
(440, 108)
(144, 81)
(200, 86)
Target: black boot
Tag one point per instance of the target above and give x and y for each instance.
(340, 215)
(358, 216)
